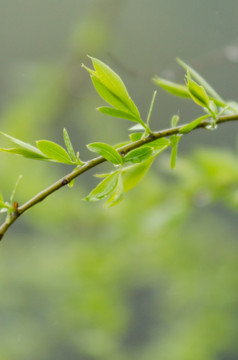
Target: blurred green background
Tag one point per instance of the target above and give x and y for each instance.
(157, 276)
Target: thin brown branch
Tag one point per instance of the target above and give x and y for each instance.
(96, 161)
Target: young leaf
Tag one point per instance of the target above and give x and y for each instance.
(54, 151)
(69, 145)
(200, 80)
(137, 127)
(25, 153)
(109, 96)
(150, 109)
(117, 113)
(104, 188)
(138, 155)
(174, 120)
(15, 189)
(173, 88)
(114, 83)
(173, 156)
(112, 89)
(107, 151)
(133, 174)
(159, 143)
(31, 149)
(197, 93)
(192, 125)
(117, 194)
(136, 136)
(174, 143)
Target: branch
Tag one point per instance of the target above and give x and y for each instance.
(96, 161)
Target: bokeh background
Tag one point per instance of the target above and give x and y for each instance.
(155, 277)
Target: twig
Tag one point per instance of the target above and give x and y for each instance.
(96, 161)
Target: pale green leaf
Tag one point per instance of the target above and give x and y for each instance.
(133, 174)
(107, 151)
(136, 136)
(117, 113)
(26, 153)
(174, 120)
(69, 145)
(200, 80)
(197, 93)
(22, 144)
(109, 96)
(192, 125)
(136, 127)
(114, 84)
(104, 188)
(172, 87)
(117, 195)
(159, 143)
(138, 155)
(54, 151)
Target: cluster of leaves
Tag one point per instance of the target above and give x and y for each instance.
(131, 167)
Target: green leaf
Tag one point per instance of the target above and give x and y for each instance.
(112, 89)
(107, 151)
(138, 155)
(136, 136)
(174, 143)
(69, 145)
(192, 125)
(173, 158)
(138, 127)
(117, 195)
(133, 174)
(172, 87)
(104, 188)
(174, 120)
(15, 188)
(54, 151)
(117, 113)
(159, 143)
(114, 83)
(200, 80)
(22, 145)
(108, 96)
(25, 153)
(198, 93)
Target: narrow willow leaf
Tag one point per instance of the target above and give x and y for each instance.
(138, 127)
(200, 80)
(114, 83)
(107, 151)
(192, 125)
(151, 108)
(54, 151)
(112, 89)
(104, 188)
(159, 143)
(173, 156)
(136, 136)
(15, 188)
(69, 145)
(138, 155)
(22, 144)
(197, 93)
(174, 143)
(133, 174)
(25, 153)
(173, 88)
(108, 96)
(174, 120)
(117, 113)
(117, 195)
